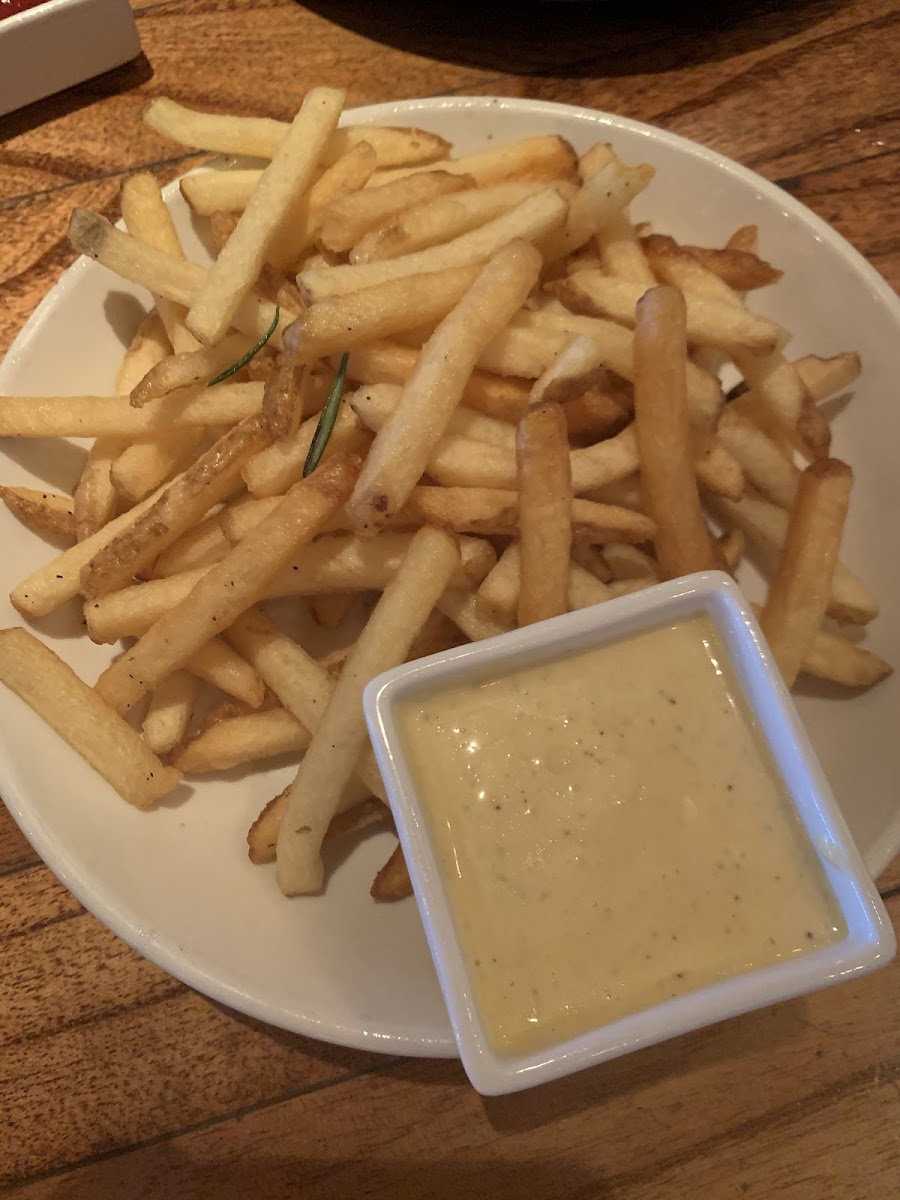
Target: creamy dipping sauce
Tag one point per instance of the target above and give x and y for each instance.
(612, 833)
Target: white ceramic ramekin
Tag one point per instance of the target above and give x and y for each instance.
(60, 43)
(868, 944)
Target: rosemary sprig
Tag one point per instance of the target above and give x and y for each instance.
(251, 353)
(327, 419)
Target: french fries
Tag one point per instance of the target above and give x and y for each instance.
(338, 743)
(800, 590)
(669, 485)
(88, 724)
(529, 374)
(545, 512)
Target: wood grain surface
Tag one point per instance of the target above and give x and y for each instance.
(117, 1081)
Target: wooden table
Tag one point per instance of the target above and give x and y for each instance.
(117, 1081)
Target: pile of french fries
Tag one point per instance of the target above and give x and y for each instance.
(534, 422)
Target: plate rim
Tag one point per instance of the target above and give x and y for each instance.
(54, 854)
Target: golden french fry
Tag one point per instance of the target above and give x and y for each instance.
(201, 546)
(330, 564)
(595, 401)
(765, 525)
(462, 607)
(802, 584)
(190, 369)
(331, 608)
(530, 220)
(219, 664)
(439, 220)
(169, 714)
(742, 270)
(180, 506)
(210, 191)
(813, 430)
(839, 660)
(299, 682)
(147, 217)
(543, 158)
(545, 512)
(359, 815)
(337, 744)
(165, 274)
(497, 598)
(825, 377)
(593, 560)
(668, 483)
(271, 471)
(718, 470)
(95, 499)
(44, 512)
(376, 405)
(346, 220)
(392, 882)
(401, 450)
(763, 463)
(143, 467)
(708, 322)
(80, 716)
(745, 238)
(331, 326)
(260, 137)
(241, 740)
(676, 266)
(288, 175)
(602, 196)
(731, 546)
(113, 416)
(389, 362)
(630, 562)
(229, 587)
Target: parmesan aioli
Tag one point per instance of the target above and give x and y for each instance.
(611, 833)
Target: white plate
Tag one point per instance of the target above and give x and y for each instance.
(176, 883)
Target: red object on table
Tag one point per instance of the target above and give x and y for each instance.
(9, 8)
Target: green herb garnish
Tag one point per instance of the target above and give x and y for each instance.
(327, 419)
(251, 353)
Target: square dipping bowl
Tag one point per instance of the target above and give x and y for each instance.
(869, 939)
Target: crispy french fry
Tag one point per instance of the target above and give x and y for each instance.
(288, 175)
(95, 499)
(825, 377)
(169, 714)
(190, 369)
(595, 401)
(341, 737)
(497, 598)
(731, 546)
(439, 220)
(602, 196)
(346, 220)
(530, 220)
(330, 564)
(742, 270)
(389, 362)
(331, 608)
(676, 266)
(112, 416)
(668, 483)
(718, 470)
(392, 882)
(401, 450)
(210, 191)
(543, 158)
(299, 682)
(545, 512)
(359, 815)
(839, 660)
(80, 716)
(376, 405)
(775, 384)
(813, 431)
(180, 506)
(802, 584)
(592, 560)
(331, 326)
(274, 469)
(630, 562)
(762, 461)
(229, 587)
(765, 525)
(260, 137)
(708, 322)
(142, 467)
(45, 512)
(164, 274)
(218, 663)
(745, 238)
(463, 609)
(201, 546)
(147, 217)
(239, 740)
